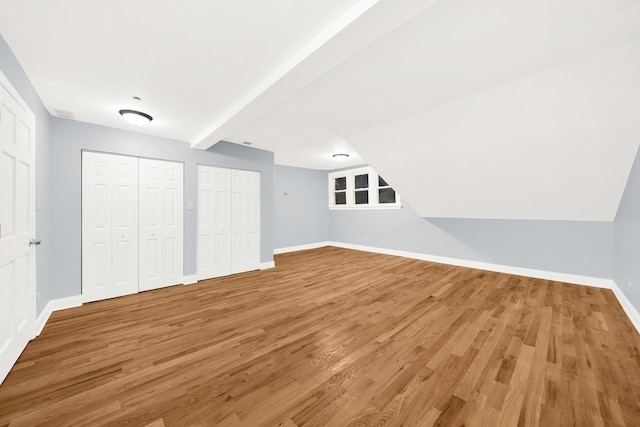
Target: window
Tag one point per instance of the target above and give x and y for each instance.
(340, 189)
(361, 188)
(386, 194)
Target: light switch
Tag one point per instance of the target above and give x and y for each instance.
(37, 203)
(189, 206)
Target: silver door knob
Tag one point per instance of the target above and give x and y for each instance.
(34, 242)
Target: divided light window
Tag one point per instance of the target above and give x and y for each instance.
(361, 188)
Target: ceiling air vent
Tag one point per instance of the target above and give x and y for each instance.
(64, 114)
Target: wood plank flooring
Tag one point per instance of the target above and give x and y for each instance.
(339, 338)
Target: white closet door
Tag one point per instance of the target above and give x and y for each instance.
(124, 231)
(245, 214)
(205, 223)
(109, 226)
(161, 224)
(17, 226)
(252, 221)
(173, 223)
(214, 222)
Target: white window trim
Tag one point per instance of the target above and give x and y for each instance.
(350, 191)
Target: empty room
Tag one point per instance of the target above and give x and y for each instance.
(320, 213)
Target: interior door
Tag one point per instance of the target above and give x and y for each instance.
(161, 223)
(238, 225)
(109, 226)
(245, 244)
(206, 194)
(252, 221)
(17, 226)
(214, 222)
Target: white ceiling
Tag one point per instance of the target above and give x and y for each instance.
(492, 109)
(190, 61)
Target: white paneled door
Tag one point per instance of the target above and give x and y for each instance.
(161, 223)
(245, 214)
(214, 222)
(132, 225)
(17, 226)
(109, 226)
(228, 221)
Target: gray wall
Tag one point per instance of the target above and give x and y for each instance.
(627, 238)
(571, 247)
(71, 137)
(16, 75)
(300, 203)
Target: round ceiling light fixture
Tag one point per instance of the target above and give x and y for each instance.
(341, 156)
(136, 118)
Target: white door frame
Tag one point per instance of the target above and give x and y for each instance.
(12, 349)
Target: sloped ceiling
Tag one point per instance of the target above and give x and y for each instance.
(493, 109)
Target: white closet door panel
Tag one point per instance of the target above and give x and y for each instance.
(172, 227)
(125, 225)
(109, 226)
(96, 226)
(238, 223)
(222, 222)
(252, 221)
(214, 222)
(161, 223)
(150, 230)
(205, 223)
(245, 214)
(228, 221)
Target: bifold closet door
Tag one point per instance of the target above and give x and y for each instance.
(214, 222)
(245, 221)
(109, 226)
(161, 224)
(228, 221)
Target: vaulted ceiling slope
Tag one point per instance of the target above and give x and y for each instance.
(493, 109)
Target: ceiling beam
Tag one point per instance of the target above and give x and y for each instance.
(366, 22)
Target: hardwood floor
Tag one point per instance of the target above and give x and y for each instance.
(336, 337)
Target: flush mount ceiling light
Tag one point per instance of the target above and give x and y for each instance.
(340, 156)
(136, 118)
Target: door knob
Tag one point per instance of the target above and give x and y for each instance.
(34, 242)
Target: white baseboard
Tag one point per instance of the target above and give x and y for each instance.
(55, 305)
(190, 280)
(518, 271)
(628, 308)
(315, 245)
(598, 282)
(267, 265)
